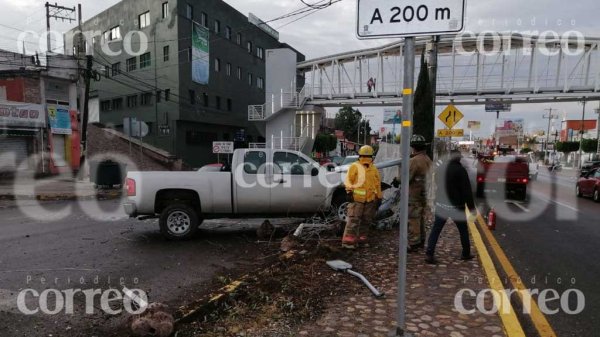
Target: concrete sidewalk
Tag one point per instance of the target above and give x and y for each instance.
(431, 291)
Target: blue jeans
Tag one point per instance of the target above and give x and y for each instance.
(436, 230)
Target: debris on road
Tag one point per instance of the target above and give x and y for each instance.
(155, 321)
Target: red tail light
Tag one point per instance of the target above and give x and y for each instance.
(130, 185)
(479, 179)
(525, 181)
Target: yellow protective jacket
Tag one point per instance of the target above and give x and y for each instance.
(364, 182)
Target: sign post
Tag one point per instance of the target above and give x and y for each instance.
(385, 19)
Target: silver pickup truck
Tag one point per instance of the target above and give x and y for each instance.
(260, 182)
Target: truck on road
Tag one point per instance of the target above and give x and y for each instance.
(259, 182)
(509, 173)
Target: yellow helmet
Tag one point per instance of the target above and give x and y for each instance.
(366, 151)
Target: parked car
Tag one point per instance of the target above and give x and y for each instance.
(507, 171)
(588, 166)
(589, 185)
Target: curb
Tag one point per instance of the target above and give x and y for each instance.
(214, 301)
(508, 316)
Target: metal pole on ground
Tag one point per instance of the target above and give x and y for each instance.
(407, 109)
(581, 132)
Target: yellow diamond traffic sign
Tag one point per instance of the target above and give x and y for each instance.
(443, 133)
(450, 116)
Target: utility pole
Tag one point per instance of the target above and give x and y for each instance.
(550, 117)
(581, 132)
(598, 133)
(56, 12)
(88, 73)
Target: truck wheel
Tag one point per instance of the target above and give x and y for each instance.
(479, 191)
(178, 222)
(578, 191)
(339, 209)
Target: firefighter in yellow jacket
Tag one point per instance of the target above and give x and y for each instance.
(363, 189)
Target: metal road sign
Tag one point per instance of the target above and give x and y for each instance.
(222, 147)
(451, 116)
(393, 18)
(444, 133)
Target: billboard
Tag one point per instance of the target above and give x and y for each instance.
(474, 125)
(200, 54)
(510, 127)
(22, 114)
(60, 120)
(391, 116)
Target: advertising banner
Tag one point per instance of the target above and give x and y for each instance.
(200, 54)
(391, 116)
(510, 127)
(474, 125)
(22, 114)
(60, 120)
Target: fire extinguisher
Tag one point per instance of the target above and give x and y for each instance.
(491, 220)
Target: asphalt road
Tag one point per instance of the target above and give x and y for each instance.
(552, 241)
(103, 250)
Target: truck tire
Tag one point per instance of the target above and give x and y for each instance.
(339, 209)
(178, 222)
(578, 191)
(479, 191)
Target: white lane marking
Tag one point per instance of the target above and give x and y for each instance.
(541, 197)
(523, 208)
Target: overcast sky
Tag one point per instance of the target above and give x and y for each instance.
(331, 30)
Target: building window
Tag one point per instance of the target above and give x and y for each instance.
(165, 10)
(132, 101)
(105, 105)
(116, 68)
(228, 69)
(205, 99)
(145, 60)
(204, 19)
(144, 20)
(166, 53)
(229, 104)
(217, 26)
(192, 97)
(228, 33)
(249, 47)
(260, 53)
(218, 102)
(117, 104)
(217, 65)
(131, 64)
(158, 95)
(239, 39)
(189, 12)
(146, 98)
(167, 94)
(260, 82)
(250, 79)
(113, 34)
(239, 73)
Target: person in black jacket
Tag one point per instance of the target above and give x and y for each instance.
(452, 194)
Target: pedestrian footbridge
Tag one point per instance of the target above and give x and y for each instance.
(507, 67)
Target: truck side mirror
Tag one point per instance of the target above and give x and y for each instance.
(314, 172)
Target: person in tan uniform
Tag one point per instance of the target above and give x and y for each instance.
(418, 186)
(363, 190)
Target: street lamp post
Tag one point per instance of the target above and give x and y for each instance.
(598, 134)
(581, 131)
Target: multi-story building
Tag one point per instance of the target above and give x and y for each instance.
(187, 69)
(39, 129)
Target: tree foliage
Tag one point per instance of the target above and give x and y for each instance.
(423, 118)
(567, 147)
(347, 120)
(325, 143)
(365, 132)
(526, 150)
(589, 145)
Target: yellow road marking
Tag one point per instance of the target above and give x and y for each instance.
(540, 322)
(512, 327)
